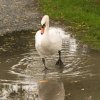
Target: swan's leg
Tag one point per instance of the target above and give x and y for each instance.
(59, 62)
(43, 60)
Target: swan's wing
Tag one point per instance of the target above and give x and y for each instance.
(64, 35)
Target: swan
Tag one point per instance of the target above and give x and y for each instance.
(48, 41)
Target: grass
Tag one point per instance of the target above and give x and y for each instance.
(82, 15)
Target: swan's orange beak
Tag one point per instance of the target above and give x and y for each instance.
(42, 30)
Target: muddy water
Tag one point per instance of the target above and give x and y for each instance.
(21, 76)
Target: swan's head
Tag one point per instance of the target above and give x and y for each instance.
(44, 23)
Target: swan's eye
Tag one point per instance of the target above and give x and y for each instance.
(43, 25)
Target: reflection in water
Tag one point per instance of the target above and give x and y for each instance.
(21, 76)
(42, 90)
(18, 91)
(72, 45)
(51, 90)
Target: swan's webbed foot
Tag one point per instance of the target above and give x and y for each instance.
(60, 63)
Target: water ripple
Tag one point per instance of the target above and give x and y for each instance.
(73, 56)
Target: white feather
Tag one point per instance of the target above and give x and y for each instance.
(50, 42)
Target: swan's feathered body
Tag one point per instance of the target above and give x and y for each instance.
(49, 43)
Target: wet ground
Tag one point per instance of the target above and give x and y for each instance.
(21, 76)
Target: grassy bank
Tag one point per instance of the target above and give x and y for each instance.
(83, 17)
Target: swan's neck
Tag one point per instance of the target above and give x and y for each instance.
(47, 26)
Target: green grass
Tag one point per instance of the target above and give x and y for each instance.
(82, 15)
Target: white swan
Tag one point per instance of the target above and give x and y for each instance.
(48, 41)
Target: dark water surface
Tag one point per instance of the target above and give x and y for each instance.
(21, 76)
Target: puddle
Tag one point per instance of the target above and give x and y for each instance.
(21, 76)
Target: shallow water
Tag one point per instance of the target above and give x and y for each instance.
(21, 76)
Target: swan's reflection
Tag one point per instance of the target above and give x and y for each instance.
(51, 90)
